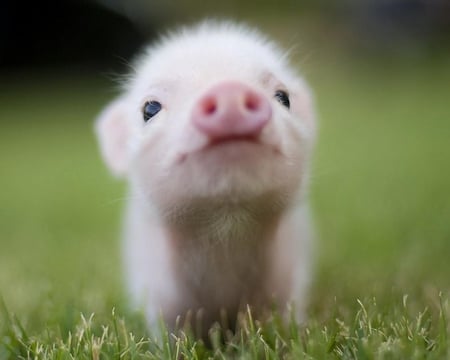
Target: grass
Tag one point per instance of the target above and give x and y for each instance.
(372, 334)
(379, 194)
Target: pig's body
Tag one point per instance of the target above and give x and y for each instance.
(214, 134)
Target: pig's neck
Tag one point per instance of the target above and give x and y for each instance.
(223, 224)
(223, 243)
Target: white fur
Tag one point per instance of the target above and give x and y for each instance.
(218, 229)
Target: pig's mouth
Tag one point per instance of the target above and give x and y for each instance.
(235, 146)
(240, 144)
(233, 140)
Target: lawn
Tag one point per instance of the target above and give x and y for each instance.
(381, 207)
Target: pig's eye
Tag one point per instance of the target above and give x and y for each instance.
(283, 98)
(151, 108)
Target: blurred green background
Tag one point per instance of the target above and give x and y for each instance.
(380, 72)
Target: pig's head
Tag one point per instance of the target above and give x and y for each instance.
(212, 114)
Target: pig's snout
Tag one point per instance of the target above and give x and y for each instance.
(231, 110)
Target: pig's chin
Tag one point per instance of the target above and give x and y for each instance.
(187, 202)
(231, 172)
(233, 167)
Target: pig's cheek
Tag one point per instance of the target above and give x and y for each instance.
(147, 159)
(298, 128)
(302, 109)
(281, 132)
(156, 158)
(292, 139)
(190, 140)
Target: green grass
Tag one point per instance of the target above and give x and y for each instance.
(380, 198)
(372, 334)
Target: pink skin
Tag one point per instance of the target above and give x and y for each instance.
(231, 111)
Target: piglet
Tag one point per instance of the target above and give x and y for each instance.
(213, 132)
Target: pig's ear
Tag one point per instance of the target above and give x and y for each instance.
(113, 131)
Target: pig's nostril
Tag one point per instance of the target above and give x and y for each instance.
(252, 102)
(209, 106)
